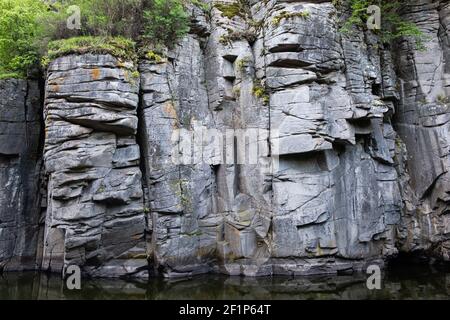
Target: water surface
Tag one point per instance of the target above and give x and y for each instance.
(415, 282)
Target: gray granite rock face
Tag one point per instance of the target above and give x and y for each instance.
(264, 143)
(322, 194)
(181, 203)
(332, 201)
(95, 215)
(423, 123)
(20, 168)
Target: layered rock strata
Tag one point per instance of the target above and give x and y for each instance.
(423, 122)
(264, 142)
(95, 215)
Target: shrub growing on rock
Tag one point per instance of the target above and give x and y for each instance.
(117, 46)
(107, 17)
(27, 26)
(393, 26)
(165, 21)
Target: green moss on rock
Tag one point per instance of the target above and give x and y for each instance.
(11, 75)
(229, 10)
(118, 47)
(260, 92)
(289, 15)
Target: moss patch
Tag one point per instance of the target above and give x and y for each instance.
(206, 7)
(249, 35)
(238, 8)
(260, 92)
(442, 99)
(154, 57)
(118, 47)
(289, 15)
(11, 75)
(229, 10)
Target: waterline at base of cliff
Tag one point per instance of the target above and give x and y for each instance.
(399, 282)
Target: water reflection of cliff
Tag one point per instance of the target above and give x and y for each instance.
(417, 283)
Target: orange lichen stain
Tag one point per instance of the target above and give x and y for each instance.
(95, 73)
(169, 109)
(56, 81)
(46, 128)
(54, 87)
(319, 251)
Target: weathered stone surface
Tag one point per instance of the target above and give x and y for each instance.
(269, 143)
(20, 168)
(424, 127)
(334, 193)
(95, 216)
(180, 190)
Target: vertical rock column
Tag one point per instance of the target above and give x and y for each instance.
(423, 123)
(180, 180)
(335, 194)
(238, 102)
(20, 167)
(95, 216)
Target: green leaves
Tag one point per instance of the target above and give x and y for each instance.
(20, 32)
(110, 17)
(165, 21)
(393, 26)
(27, 26)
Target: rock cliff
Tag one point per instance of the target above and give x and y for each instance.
(95, 209)
(20, 175)
(265, 142)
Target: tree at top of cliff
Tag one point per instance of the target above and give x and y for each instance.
(393, 25)
(165, 21)
(20, 32)
(101, 17)
(26, 27)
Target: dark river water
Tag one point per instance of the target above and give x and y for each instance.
(406, 282)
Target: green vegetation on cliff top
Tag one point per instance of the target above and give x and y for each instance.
(393, 26)
(119, 47)
(21, 29)
(37, 30)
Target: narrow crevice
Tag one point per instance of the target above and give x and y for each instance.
(143, 147)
